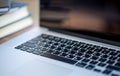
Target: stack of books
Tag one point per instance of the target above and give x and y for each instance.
(16, 19)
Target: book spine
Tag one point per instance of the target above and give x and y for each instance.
(15, 27)
(13, 16)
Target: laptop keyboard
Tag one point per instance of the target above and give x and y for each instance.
(92, 57)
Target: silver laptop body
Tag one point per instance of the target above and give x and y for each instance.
(15, 62)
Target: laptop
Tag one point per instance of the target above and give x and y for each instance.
(53, 51)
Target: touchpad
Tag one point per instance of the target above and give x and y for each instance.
(40, 68)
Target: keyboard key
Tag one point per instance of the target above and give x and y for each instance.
(82, 50)
(118, 59)
(113, 57)
(81, 64)
(58, 58)
(85, 60)
(50, 42)
(76, 44)
(19, 47)
(89, 52)
(71, 56)
(29, 45)
(114, 75)
(110, 62)
(106, 52)
(113, 67)
(97, 50)
(75, 48)
(87, 56)
(51, 38)
(58, 48)
(104, 56)
(97, 70)
(90, 48)
(79, 54)
(46, 45)
(64, 54)
(117, 64)
(106, 71)
(50, 51)
(90, 67)
(44, 36)
(53, 47)
(72, 52)
(102, 59)
(57, 39)
(118, 55)
(68, 47)
(29, 50)
(65, 50)
(63, 40)
(56, 44)
(70, 43)
(101, 64)
(113, 52)
(62, 45)
(56, 52)
(78, 58)
(23, 48)
(97, 54)
(94, 57)
(43, 41)
(93, 62)
(37, 52)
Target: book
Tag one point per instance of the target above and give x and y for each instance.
(17, 26)
(17, 12)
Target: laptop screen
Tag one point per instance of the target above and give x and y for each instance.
(100, 18)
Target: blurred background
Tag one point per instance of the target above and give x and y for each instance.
(77, 14)
(82, 15)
